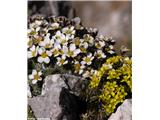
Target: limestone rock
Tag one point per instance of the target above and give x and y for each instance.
(124, 111)
(59, 98)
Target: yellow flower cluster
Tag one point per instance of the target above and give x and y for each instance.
(115, 68)
(111, 95)
(115, 71)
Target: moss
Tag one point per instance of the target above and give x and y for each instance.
(30, 114)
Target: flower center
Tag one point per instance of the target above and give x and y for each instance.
(48, 45)
(55, 52)
(58, 37)
(83, 49)
(44, 55)
(99, 55)
(77, 42)
(37, 40)
(33, 32)
(33, 53)
(98, 45)
(36, 77)
(63, 41)
(87, 60)
(77, 67)
(62, 61)
(70, 53)
(68, 31)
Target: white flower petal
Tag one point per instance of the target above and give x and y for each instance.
(49, 53)
(40, 59)
(65, 62)
(63, 56)
(38, 22)
(58, 58)
(72, 27)
(77, 51)
(33, 48)
(65, 49)
(41, 50)
(37, 29)
(39, 73)
(55, 25)
(85, 45)
(83, 62)
(34, 72)
(58, 33)
(34, 81)
(81, 71)
(46, 60)
(42, 43)
(57, 45)
(29, 54)
(40, 79)
(72, 47)
(31, 77)
(64, 30)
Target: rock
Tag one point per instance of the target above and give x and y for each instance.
(124, 111)
(59, 99)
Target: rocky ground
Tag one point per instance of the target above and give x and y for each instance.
(61, 100)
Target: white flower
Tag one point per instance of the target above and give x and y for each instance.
(101, 37)
(47, 43)
(32, 51)
(61, 60)
(108, 66)
(44, 55)
(34, 27)
(61, 38)
(54, 25)
(56, 49)
(100, 44)
(86, 74)
(35, 76)
(69, 31)
(72, 51)
(78, 67)
(83, 47)
(111, 52)
(36, 24)
(58, 35)
(88, 60)
(33, 31)
(111, 46)
(89, 39)
(78, 41)
(100, 54)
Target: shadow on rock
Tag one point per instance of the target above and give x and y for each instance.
(72, 106)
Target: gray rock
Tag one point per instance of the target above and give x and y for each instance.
(124, 111)
(59, 98)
